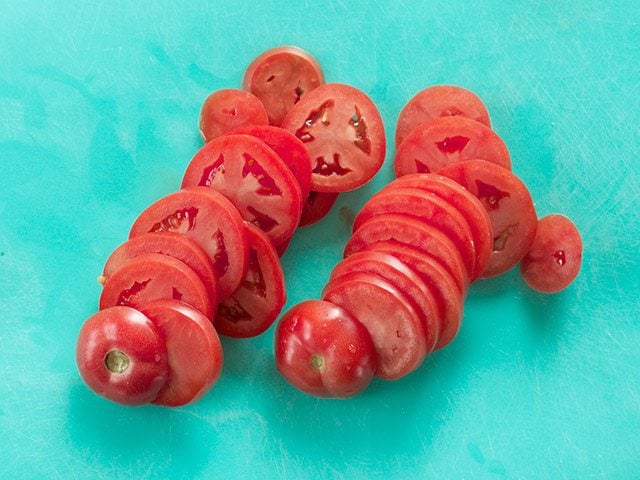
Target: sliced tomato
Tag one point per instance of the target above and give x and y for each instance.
(253, 308)
(509, 205)
(280, 77)
(445, 140)
(209, 219)
(317, 206)
(254, 178)
(440, 101)
(344, 134)
(227, 109)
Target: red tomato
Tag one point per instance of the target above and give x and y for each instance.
(440, 101)
(254, 307)
(317, 206)
(154, 276)
(395, 327)
(323, 350)
(280, 77)
(254, 178)
(168, 243)
(344, 134)
(227, 109)
(121, 356)
(509, 205)
(555, 256)
(445, 140)
(209, 219)
(194, 351)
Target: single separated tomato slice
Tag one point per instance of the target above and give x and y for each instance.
(555, 256)
(344, 134)
(442, 141)
(253, 308)
(323, 350)
(194, 352)
(316, 207)
(254, 178)
(509, 205)
(440, 101)
(154, 276)
(209, 219)
(280, 77)
(224, 110)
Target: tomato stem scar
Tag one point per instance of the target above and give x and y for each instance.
(116, 361)
(317, 362)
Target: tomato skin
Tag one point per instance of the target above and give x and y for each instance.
(316, 207)
(555, 256)
(323, 350)
(126, 330)
(230, 108)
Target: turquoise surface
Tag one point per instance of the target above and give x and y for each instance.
(99, 103)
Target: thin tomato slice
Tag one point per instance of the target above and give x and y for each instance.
(317, 206)
(344, 134)
(227, 109)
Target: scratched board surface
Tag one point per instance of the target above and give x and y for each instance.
(98, 117)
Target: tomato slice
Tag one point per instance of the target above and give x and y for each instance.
(394, 271)
(154, 276)
(344, 134)
(445, 140)
(509, 205)
(194, 351)
(280, 77)
(317, 206)
(254, 178)
(440, 101)
(324, 351)
(254, 307)
(209, 219)
(402, 229)
(227, 109)
(396, 329)
(168, 243)
(555, 256)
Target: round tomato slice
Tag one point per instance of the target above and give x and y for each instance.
(440, 101)
(168, 243)
(227, 109)
(396, 329)
(254, 178)
(194, 352)
(344, 134)
(253, 308)
(280, 77)
(509, 205)
(324, 351)
(555, 256)
(209, 219)
(291, 150)
(445, 140)
(317, 206)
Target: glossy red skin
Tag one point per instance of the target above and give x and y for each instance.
(467, 204)
(253, 308)
(448, 298)
(400, 276)
(168, 243)
(292, 151)
(227, 109)
(419, 152)
(513, 216)
(273, 191)
(395, 327)
(131, 332)
(194, 352)
(280, 77)
(324, 121)
(428, 208)
(440, 101)
(404, 230)
(154, 276)
(217, 228)
(318, 328)
(316, 207)
(555, 256)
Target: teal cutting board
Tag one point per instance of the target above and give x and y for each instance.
(99, 103)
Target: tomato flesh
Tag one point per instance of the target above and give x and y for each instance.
(227, 109)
